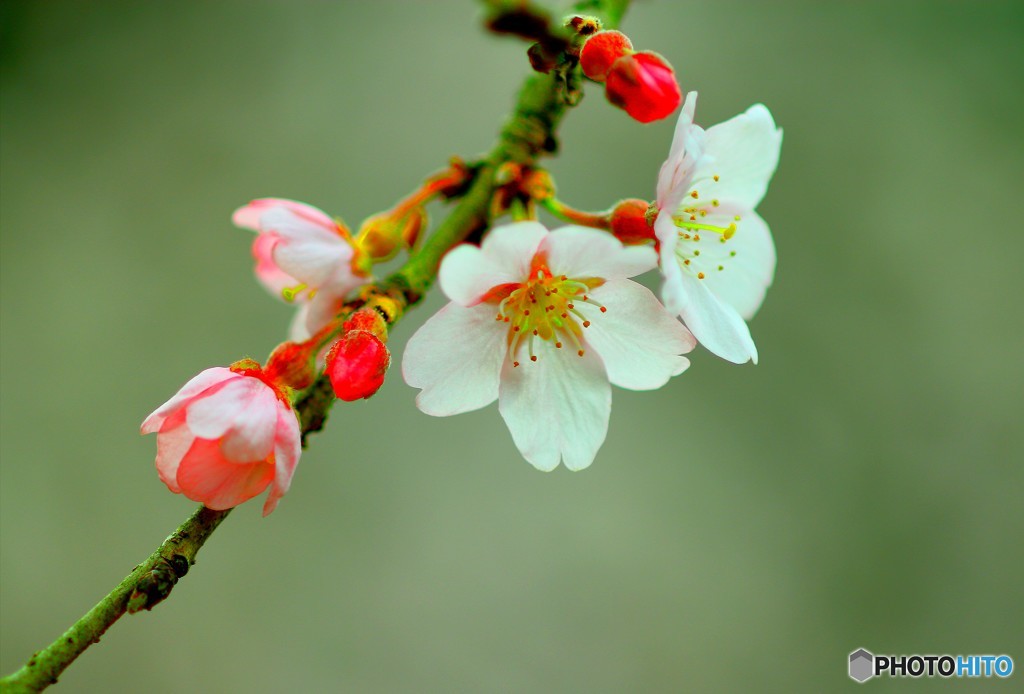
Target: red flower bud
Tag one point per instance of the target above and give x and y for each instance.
(601, 50)
(643, 84)
(356, 365)
(630, 222)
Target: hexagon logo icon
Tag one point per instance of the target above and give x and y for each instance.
(862, 665)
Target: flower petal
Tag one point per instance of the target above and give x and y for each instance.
(250, 216)
(251, 436)
(714, 323)
(172, 442)
(456, 359)
(287, 447)
(211, 416)
(639, 341)
(267, 272)
(467, 272)
(206, 476)
(687, 149)
(744, 153)
(314, 262)
(197, 384)
(747, 262)
(581, 252)
(557, 407)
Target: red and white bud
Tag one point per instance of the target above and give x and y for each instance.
(630, 222)
(644, 85)
(357, 364)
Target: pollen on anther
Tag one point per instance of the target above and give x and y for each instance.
(565, 315)
(526, 312)
(604, 310)
(696, 252)
(686, 261)
(535, 332)
(580, 353)
(586, 324)
(506, 319)
(515, 363)
(533, 357)
(515, 328)
(558, 345)
(696, 237)
(700, 275)
(571, 307)
(693, 194)
(714, 203)
(715, 177)
(732, 254)
(721, 267)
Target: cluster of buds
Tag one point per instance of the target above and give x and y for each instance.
(640, 82)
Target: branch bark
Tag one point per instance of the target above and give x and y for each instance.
(527, 135)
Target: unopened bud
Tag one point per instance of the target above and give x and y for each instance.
(643, 84)
(383, 235)
(292, 364)
(356, 365)
(630, 222)
(602, 50)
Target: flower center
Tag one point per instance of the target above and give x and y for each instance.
(696, 234)
(544, 307)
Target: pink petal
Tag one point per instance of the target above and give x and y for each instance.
(211, 416)
(172, 442)
(579, 252)
(251, 436)
(456, 359)
(204, 475)
(204, 380)
(267, 272)
(287, 448)
(248, 216)
(557, 407)
(639, 341)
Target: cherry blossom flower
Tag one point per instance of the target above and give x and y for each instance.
(716, 253)
(302, 255)
(544, 322)
(225, 437)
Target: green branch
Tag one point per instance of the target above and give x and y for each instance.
(527, 135)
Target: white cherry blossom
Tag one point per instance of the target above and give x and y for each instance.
(716, 253)
(544, 322)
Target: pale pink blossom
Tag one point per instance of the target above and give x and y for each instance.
(225, 437)
(716, 253)
(544, 322)
(302, 255)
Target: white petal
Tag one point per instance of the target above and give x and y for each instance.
(210, 417)
(293, 224)
(687, 149)
(581, 252)
(297, 330)
(557, 407)
(322, 309)
(467, 274)
(639, 341)
(197, 384)
(745, 151)
(456, 359)
(714, 323)
(251, 436)
(313, 261)
(512, 247)
(747, 261)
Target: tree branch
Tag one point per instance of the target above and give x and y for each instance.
(527, 135)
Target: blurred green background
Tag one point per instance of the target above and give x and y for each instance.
(743, 529)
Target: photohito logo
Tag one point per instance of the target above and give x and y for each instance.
(864, 665)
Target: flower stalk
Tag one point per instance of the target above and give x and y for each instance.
(526, 136)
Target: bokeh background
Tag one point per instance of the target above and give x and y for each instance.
(743, 529)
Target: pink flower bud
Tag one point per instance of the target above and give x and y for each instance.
(356, 365)
(643, 84)
(601, 50)
(225, 437)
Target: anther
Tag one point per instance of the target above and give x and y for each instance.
(533, 357)
(715, 177)
(693, 194)
(580, 353)
(604, 310)
(700, 275)
(586, 324)
(558, 345)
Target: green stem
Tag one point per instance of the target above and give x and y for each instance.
(527, 135)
